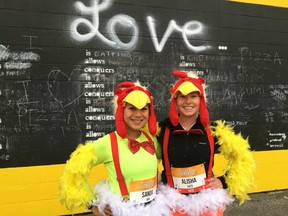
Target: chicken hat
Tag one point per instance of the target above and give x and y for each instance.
(138, 96)
(187, 84)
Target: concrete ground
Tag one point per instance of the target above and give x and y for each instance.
(274, 203)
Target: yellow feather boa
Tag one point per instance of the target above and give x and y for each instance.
(74, 190)
(239, 173)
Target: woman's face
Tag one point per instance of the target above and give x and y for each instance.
(188, 105)
(134, 118)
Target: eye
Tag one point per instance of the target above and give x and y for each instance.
(182, 96)
(132, 108)
(194, 95)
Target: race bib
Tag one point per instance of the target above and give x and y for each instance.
(143, 191)
(189, 179)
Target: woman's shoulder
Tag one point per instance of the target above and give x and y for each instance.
(104, 140)
(165, 123)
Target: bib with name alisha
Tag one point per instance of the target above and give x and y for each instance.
(189, 179)
(143, 191)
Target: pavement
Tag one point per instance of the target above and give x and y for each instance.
(272, 203)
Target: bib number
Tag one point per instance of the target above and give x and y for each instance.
(143, 191)
(189, 179)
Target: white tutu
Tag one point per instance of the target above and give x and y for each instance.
(168, 199)
(195, 204)
(157, 207)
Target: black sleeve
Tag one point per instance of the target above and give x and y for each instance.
(162, 125)
(217, 146)
(222, 179)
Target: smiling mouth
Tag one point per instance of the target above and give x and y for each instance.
(188, 108)
(137, 120)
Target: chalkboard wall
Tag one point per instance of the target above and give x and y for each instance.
(60, 61)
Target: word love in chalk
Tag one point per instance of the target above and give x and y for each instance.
(128, 23)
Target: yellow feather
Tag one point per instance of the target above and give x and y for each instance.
(241, 164)
(146, 129)
(158, 129)
(74, 190)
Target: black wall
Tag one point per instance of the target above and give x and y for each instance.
(59, 64)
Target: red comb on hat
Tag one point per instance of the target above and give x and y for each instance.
(122, 90)
(197, 82)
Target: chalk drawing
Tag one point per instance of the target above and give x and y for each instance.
(260, 57)
(120, 19)
(30, 37)
(189, 28)
(53, 81)
(279, 92)
(17, 59)
(128, 23)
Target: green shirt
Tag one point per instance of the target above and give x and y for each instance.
(139, 166)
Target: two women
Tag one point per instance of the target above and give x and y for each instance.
(130, 156)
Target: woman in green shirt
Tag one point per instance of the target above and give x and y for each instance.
(130, 156)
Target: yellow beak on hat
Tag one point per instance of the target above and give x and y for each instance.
(137, 98)
(186, 87)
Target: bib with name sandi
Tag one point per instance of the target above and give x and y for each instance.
(143, 191)
(189, 179)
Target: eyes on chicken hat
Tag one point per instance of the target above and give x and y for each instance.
(187, 84)
(138, 96)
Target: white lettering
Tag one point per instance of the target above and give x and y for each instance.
(128, 23)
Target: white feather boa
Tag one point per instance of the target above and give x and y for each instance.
(168, 199)
(195, 204)
(106, 197)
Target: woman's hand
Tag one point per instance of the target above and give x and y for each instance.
(214, 183)
(107, 211)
